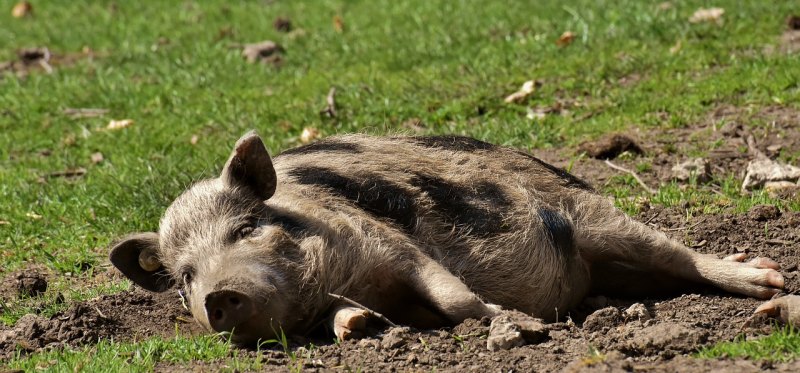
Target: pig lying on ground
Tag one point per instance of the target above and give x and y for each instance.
(428, 231)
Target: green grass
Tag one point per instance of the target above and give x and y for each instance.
(174, 69)
(780, 346)
(141, 356)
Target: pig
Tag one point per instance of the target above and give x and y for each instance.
(428, 231)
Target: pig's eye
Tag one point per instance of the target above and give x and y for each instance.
(187, 275)
(244, 232)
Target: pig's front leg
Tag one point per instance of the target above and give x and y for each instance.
(447, 292)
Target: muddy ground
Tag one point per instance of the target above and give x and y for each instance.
(598, 336)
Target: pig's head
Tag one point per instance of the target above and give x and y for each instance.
(238, 272)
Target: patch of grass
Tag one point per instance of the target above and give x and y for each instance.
(140, 356)
(780, 346)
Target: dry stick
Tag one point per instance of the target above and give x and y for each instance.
(635, 176)
(359, 305)
(330, 109)
(653, 217)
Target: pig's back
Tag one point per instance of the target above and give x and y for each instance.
(471, 205)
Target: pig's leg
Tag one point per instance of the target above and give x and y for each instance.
(349, 322)
(447, 292)
(605, 234)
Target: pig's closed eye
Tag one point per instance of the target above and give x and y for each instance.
(244, 232)
(187, 275)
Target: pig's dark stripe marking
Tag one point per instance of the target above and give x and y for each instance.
(456, 143)
(478, 207)
(371, 193)
(289, 224)
(559, 230)
(326, 146)
(571, 181)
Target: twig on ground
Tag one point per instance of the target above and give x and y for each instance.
(359, 305)
(100, 312)
(752, 148)
(630, 172)
(330, 108)
(84, 112)
(653, 217)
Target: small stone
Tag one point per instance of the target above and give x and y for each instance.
(762, 171)
(512, 329)
(602, 318)
(637, 311)
(395, 338)
(695, 167)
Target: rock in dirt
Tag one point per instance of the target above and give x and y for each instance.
(395, 338)
(763, 212)
(264, 52)
(609, 147)
(637, 311)
(604, 318)
(31, 284)
(698, 168)
(761, 172)
(667, 339)
(514, 329)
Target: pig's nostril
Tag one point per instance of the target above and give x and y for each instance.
(234, 301)
(219, 314)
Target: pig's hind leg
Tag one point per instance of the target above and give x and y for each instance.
(606, 235)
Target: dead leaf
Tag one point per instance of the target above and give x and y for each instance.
(265, 52)
(526, 90)
(764, 170)
(33, 215)
(793, 22)
(22, 9)
(330, 104)
(565, 39)
(664, 6)
(676, 48)
(707, 15)
(194, 139)
(282, 24)
(97, 157)
(309, 134)
(119, 124)
(338, 24)
(537, 113)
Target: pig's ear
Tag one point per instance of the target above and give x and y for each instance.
(135, 256)
(250, 167)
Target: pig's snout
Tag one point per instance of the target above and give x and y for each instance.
(228, 309)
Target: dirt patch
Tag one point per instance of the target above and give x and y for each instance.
(128, 315)
(41, 59)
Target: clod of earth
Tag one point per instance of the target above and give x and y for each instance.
(637, 311)
(667, 339)
(764, 212)
(609, 147)
(514, 329)
(793, 22)
(267, 52)
(785, 309)
(31, 284)
(769, 173)
(698, 168)
(601, 319)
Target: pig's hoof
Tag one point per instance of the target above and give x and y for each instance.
(350, 323)
(756, 278)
